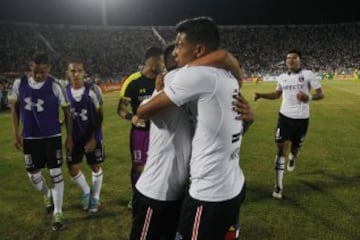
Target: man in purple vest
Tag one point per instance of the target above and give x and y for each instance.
(35, 99)
(86, 108)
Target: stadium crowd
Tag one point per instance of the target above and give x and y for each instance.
(115, 51)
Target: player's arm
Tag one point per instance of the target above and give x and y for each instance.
(303, 97)
(221, 59)
(243, 108)
(90, 145)
(270, 96)
(69, 126)
(154, 105)
(123, 109)
(159, 81)
(318, 95)
(313, 83)
(15, 113)
(96, 97)
(15, 110)
(60, 92)
(124, 113)
(98, 102)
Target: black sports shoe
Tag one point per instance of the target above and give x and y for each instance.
(58, 222)
(49, 204)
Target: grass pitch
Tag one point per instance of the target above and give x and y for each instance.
(321, 197)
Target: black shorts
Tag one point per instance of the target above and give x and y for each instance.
(97, 156)
(153, 219)
(293, 130)
(210, 220)
(39, 153)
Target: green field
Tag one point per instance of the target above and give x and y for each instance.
(321, 197)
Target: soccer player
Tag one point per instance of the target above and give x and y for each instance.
(160, 188)
(86, 108)
(211, 206)
(36, 99)
(162, 185)
(295, 88)
(136, 88)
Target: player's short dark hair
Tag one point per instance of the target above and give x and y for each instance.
(41, 58)
(200, 30)
(169, 60)
(75, 60)
(295, 51)
(153, 52)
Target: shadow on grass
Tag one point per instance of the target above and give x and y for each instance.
(297, 194)
(336, 177)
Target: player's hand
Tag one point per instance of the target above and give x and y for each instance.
(242, 107)
(18, 142)
(90, 145)
(159, 81)
(138, 122)
(256, 96)
(302, 97)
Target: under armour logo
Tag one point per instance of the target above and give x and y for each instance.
(29, 104)
(82, 114)
(142, 90)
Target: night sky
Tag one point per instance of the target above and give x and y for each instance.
(169, 12)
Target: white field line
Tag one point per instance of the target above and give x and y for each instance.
(345, 90)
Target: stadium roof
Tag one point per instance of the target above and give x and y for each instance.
(169, 12)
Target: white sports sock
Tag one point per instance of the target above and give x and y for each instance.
(97, 179)
(39, 183)
(279, 170)
(81, 182)
(58, 190)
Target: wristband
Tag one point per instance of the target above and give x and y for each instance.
(129, 116)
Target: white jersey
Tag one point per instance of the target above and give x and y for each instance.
(166, 173)
(290, 85)
(215, 173)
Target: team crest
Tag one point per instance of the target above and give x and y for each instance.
(301, 79)
(178, 236)
(233, 232)
(28, 160)
(58, 154)
(98, 152)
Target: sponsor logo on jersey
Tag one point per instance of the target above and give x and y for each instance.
(82, 114)
(38, 105)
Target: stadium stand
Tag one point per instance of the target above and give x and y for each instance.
(113, 52)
